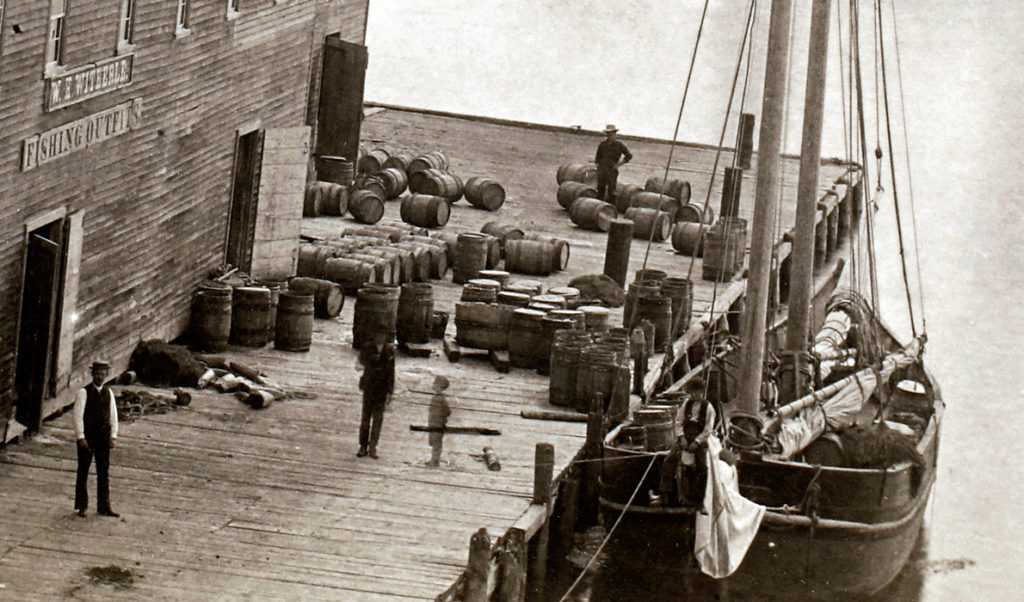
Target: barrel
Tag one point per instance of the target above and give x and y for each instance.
(383, 270)
(578, 172)
(637, 288)
(415, 312)
(525, 334)
(274, 286)
(695, 213)
(680, 291)
(494, 251)
(431, 160)
(399, 160)
(313, 259)
(737, 227)
(350, 273)
(688, 238)
(483, 325)
(211, 319)
(595, 318)
(499, 276)
(374, 184)
(401, 262)
(328, 297)
(250, 316)
(484, 193)
(570, 294)
(294, 329)
(395, 181)
(724, 248)
(624, 195)
(649, 224)
(529, 287)
(373, 161)
(470, 256)
(366, 206)
(480, 290)
(313, 204)
(334, 199)
(656, 309)
(504, 232)
(570, 190)
(375, 316)
(425, 210)
(595, 376)
(563, 366)
(592, 214)
(657, 425)
(513, 298)
(440, 256)
(418, 256)
(654, 200)
(436, 182)
(335, 169)
(645, 274)
(553, 301)
(530, 257)
(574, 315)
(675, 188)
(550, 324)
(616, 253)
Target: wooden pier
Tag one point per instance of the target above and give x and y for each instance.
(220, 501)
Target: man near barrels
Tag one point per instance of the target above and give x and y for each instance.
(437, 419)
(611, 155)
(684, 470)
(95, 418)
(377, 384)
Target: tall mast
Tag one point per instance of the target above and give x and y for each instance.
(766, 196)
(802, 275)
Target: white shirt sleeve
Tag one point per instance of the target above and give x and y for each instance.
(113, 415)
(79, 414)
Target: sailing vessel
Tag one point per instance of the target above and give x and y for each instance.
(832, 422)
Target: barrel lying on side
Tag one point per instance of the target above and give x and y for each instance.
(399, 160)
(484, 193)
(503, 231)
(579, 172)
(649, 224)
(328, 297)
(688, 238)
(394, 180)
(695, 213)
(325, 198)
(373, 161)
(436, 182)
(655, 200)
(592, 214)
(366, 206)
(531, 257)
(428, 211)
(675, 188)
(570, 190)
(561, 249)
(433, 159)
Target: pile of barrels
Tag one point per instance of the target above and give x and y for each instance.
(393, 254)
(384, 313)
(253, 314)
(587, 364)
(523, 253)
(725, 246)
(666, 302)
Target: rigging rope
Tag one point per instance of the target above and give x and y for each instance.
(910, 180)
(866, 179)
(892, 168)
(608, 535)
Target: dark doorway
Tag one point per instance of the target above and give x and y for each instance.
(244, 199)
(39, 323)
(341, 98)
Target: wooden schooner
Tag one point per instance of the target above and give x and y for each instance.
(835, 422)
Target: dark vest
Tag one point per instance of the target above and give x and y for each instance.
(97, 415)
(693, 425)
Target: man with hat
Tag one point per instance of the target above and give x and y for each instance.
(611, 155)
(95, 418)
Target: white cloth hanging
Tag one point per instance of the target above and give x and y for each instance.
(729, 522)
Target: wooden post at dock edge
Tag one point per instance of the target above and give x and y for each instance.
(543, 472)
(592, 466)
(512, 566)
(478, 567)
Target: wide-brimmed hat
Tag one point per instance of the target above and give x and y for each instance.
(100, 365)
(610, 129)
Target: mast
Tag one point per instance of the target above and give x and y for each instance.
(802, 275)
(765, 206)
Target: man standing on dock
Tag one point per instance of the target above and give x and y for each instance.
(377, 384)
(437, 419)
(95, 418)
(611, 155)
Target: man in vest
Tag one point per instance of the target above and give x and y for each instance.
(684, 470)
(611, 155)
(95, 417)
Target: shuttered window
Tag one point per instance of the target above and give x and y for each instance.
(55, 34)
(126, 28)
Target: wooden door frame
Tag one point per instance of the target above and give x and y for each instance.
(246, 128)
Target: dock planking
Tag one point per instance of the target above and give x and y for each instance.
(220, 501)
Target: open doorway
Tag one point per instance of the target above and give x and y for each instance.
(39, 322)
(244, 199)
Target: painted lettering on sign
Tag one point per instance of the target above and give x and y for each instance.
(80, 134)
(87, 82)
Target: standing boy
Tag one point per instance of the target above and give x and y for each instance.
(95, 418)
(437, 419)
(377, 384)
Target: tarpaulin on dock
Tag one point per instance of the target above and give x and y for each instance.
(729, 522)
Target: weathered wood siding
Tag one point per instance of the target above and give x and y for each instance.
(154, 200)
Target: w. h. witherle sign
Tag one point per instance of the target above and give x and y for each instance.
(89, 81)
(80, 134)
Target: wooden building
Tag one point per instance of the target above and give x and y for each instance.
(143, 143)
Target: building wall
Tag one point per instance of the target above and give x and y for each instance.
(155, 200)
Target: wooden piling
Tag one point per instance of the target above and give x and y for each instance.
(543, 471)
(616, 255)
(512, 566)
(477, 567)
(592, 467)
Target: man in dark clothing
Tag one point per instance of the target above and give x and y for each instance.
(377, 384)
(611, 155)
(684, 470)
(95, 418)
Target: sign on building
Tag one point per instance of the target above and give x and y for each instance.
(80, 134)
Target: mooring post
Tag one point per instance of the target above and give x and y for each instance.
(512, 567)
(478, 567)
(543, 473)
(592, 466)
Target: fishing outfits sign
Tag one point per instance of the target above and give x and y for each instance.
(80, 134)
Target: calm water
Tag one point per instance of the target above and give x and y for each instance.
(593, 62)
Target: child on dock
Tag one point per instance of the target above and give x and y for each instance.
(437, 419)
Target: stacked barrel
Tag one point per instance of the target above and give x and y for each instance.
(725, 245)
(666, 302)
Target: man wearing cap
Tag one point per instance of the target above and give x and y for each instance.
(95, 417)
(611, 155)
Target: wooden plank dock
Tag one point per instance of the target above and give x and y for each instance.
(220, 501)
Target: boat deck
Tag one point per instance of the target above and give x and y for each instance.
(220, 501)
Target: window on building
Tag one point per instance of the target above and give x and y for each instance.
(233, 8)
(126, 28)
(55, 34)
(184, 17)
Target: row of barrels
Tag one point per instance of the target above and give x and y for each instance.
(584, 366)
(428, 174)
(254, 315)
(664, 301)
(524, 253)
